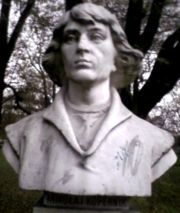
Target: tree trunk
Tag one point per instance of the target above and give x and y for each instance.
(7, 45)
(164, 75)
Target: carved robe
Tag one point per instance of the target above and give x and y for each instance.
(127, 153)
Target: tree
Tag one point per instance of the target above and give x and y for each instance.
(150, 25)
(165, 72)
(8, 42)
(166, 114)
(26, 86)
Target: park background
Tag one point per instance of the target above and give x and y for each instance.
(153, 26)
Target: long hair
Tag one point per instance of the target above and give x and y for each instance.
(128, 60)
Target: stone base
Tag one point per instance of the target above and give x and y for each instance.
(61, 203)
(59, 210)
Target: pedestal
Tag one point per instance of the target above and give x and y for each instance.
(60, 203)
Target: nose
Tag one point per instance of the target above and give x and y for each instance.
(83, 44)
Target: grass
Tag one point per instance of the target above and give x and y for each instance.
(13, 199)
(165, 197)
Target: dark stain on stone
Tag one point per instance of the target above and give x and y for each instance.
(66, 178)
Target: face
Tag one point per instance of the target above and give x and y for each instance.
(88, 52)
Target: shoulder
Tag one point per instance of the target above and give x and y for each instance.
(27, 126)
(158, 136)
(31, 121)
(160, 143)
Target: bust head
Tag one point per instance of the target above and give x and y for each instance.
(127, 59)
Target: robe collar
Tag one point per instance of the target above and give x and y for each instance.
(56, 114)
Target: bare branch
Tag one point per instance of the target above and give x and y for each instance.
(18, 99)
(5, 8)
(19, 25)
(133, 20)
(146, 39)
(164, 75)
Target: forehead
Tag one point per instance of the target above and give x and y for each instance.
(73, 25)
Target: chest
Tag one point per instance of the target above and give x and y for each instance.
(118, 158)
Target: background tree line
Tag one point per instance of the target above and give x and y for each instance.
(153, 26)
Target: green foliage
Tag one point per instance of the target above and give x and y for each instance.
(165, 196)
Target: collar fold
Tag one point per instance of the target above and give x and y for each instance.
(56, 114)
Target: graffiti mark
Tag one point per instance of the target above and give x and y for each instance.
(66, 178)
(129, 157)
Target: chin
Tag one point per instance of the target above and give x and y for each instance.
(83, 80)
(83, 76)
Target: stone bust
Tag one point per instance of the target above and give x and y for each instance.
(87, 142)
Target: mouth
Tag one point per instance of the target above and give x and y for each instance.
(84, 63)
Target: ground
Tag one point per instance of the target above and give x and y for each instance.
(12, 199)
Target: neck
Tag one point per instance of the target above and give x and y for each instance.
(88, 94)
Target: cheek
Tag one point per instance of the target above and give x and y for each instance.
(107, 59)
(67, 52)
(110, 56)
(66, 57)
(108, 53)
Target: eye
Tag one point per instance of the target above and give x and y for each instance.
(97, 37)
(70, 37)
